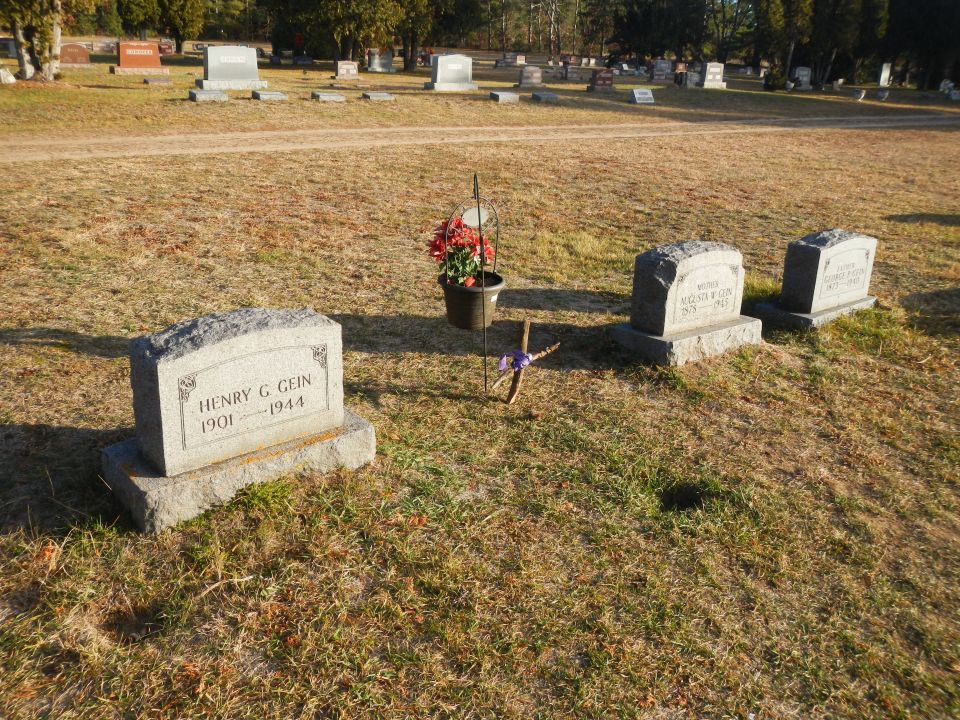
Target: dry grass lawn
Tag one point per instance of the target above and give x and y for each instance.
(772, 532)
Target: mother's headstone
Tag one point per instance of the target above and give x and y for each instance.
(825, 275)
(230, 67)
(227, 400)
(686, 304)
(451, 73)
(138, 58)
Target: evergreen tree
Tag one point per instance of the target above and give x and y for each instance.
(139, 16)
(184, 18)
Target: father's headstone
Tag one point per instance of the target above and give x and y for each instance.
(825, 275)
(530, 77)
(227, 400)
(347, 70)
(230, 67)
(74, 54)
(884, 75)
(380, 61)
(138, 58)
(803, 76)
(641, 96)
(601, 81)
(686, 304)
(451, 73)
(712, 77)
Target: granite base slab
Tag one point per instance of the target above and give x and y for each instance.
(117, 70)
(378, 96)
(773, 314)
(157, 502)
(157, 81)
(504, 97)
(327, 97)
(545, 97)
(690, 345)
(231, 84)
(269, 95)
(450, 87)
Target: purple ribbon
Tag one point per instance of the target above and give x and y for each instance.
(517, 359)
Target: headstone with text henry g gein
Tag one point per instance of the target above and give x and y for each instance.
(451, 73)
(227, 400)
(138, 58)
(230, 67)
(74, 54)
(825, 275)
(686, 304)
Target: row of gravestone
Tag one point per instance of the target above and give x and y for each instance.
(230, 399)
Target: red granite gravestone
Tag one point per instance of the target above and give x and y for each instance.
(138, 58)
(74, 54)
(601, 81)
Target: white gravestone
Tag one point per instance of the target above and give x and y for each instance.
(380, 61)
(230, 67)
(686, 304)
(229, 399)
(347, 70)
(641, 96)
(451, 73)
(825, 275)
(803, 76)
(884, 80)
(712, 77)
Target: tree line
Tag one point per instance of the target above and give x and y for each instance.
(836, 38)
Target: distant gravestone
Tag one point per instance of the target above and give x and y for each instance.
(207, 96)
(504, 97)
(347, 70)
(803, 75)
(712, 77)
(530, 77)
(859, 94)
(601, 81)
(884, 80)
(230, 67)
(662, 70)
(227, 400)
(302, 61)
(641, 96)
(8, 47)
(138, 58)
(545, 97)
(954, 95)
(378, 96)
(74, 54)
(327, 96)
(686, 304)
(825, 275)
(380, 61)
(573, 73)
(451, 73)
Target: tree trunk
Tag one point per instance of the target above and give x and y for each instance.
(51, 67)
(826, 73)
(786, 67)
(410, 52)
(142, 33)
(178, 42)
(27, 69)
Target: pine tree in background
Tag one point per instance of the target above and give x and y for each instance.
(139, 16)
(183, 17)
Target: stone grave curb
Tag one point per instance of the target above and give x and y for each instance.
(773, 314)
(690, 345)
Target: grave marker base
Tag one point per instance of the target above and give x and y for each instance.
(117, 70)
(449, 87)
(504, 97)
(157, 81)
(689, 345)
(327, 97)
(156, 502)
(773, 314)
(207, 96)
(271, 95)
(231, 84)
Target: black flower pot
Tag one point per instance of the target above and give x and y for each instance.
(467, 307)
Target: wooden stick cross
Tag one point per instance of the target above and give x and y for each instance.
(518, 373)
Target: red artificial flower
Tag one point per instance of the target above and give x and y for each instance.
(469, 282)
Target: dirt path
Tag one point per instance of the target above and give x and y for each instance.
(96, 147)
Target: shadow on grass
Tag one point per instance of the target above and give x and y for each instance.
(935, 313)
(50, 478)
(105, 346)
(944, 219)
(554, 298)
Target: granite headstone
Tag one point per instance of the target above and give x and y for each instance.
(230, 67)
(451, 73)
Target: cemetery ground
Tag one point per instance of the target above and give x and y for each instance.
(774, 531)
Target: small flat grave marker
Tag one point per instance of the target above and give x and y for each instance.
(378, 96)
(686, 304)
(227, 400)
(327, 96)
(208, 96)
(545, 97)
(271, 95)
(504, 97)
(157, 81)
(641, 96)
(825, 275)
